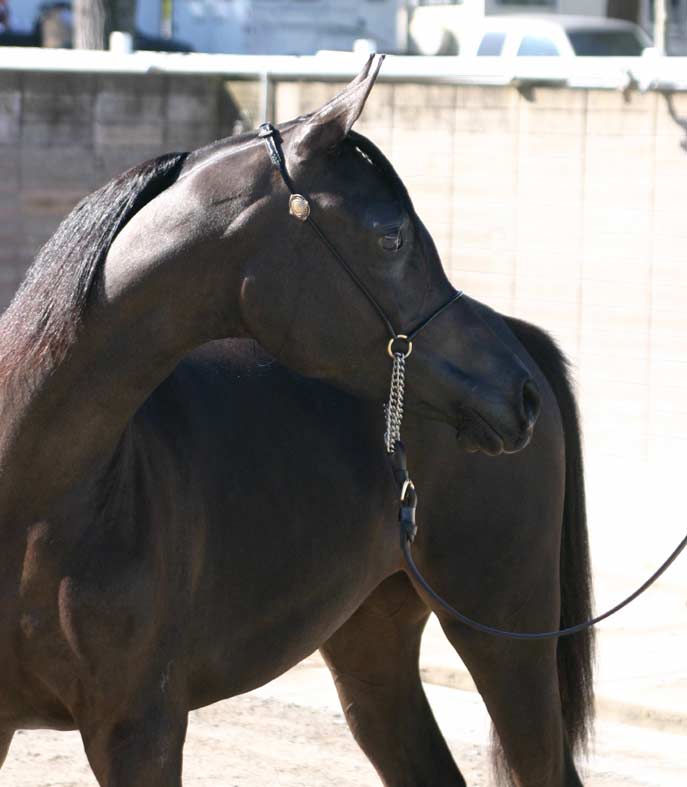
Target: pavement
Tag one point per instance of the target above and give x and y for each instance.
(637, 517)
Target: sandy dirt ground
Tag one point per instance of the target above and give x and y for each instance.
(291, 733)
(247, 742)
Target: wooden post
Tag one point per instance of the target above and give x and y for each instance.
(89, 24)
(94, 20)
(660, 26)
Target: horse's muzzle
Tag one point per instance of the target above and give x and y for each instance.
(500, 430)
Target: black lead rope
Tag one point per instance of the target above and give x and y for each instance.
(300, 208)
(566, 632)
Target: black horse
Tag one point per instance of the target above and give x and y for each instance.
(171, 537)
(502, 538)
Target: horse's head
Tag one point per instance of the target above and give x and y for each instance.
(319, 303)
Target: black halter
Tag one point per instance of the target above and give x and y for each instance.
(408, 496)
(272, 139)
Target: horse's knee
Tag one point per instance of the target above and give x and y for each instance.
(380, 642)
(373, 665)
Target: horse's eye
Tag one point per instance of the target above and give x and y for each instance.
(392, 241)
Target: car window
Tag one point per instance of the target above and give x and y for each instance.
(537, 45)
(491, 44)
(605, 43)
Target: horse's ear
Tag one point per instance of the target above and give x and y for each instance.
(326, 128)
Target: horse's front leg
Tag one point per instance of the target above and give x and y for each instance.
(136, 738)
(373, 658)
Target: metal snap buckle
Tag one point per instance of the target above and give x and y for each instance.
(407, 485)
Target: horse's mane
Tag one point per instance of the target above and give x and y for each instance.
(47, 310)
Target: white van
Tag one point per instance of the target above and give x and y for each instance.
(527, 35)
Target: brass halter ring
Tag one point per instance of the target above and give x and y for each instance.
(391, 342)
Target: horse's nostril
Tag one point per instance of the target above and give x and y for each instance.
(531, 401)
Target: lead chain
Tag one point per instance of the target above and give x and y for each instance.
(394, 407)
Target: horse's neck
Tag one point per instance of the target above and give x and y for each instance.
(153, 303)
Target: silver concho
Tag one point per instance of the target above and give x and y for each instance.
(299, 207)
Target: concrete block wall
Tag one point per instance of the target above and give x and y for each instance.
(564, 208)
(63, 135)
